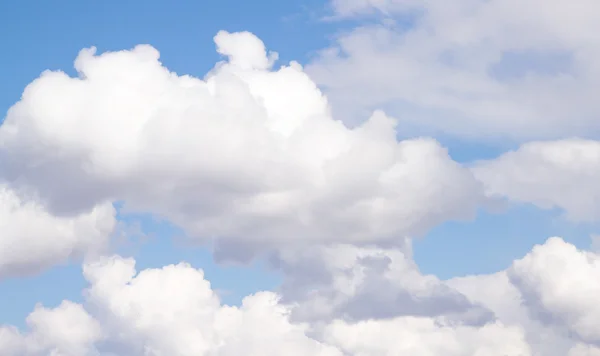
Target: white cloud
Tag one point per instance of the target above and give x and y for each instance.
(562, 284)
(67, 330)
(551, 293)
(544, 304)
(584, 350)
(523, 69)
(424, 337)
(249, 157)
(174, 311)
(550, 174)
(31, 239)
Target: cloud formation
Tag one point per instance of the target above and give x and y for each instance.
(32, 239)
(479, 69)
(248, 158)
(251, 159)
(173, 310)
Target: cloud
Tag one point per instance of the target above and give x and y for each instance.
(563, 284)
(560, 174)
(352, 8)
(32, 239)
(357, 284)
(67, 330)
(251, 159)
(551, 293)
(543, 304)
(479, 69)
(248, 158)
(174, 311)
(422, 336)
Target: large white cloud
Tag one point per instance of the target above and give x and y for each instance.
(32, 239)
(523, 69)
(560, 174)
(250, 156)
(251, 159)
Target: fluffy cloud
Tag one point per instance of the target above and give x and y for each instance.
(251, 159)
(32, 239)
(544, 304)
(423, 337)
(524, 69)
(67, 330)
(173, 311)
(550, 174)
(562, 284)
(249, 156)
(551, 293)
(168, 311)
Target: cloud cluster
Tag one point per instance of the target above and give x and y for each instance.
(248, 158)
(544, 304)
(522, 69)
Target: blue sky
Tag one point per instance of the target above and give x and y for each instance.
(40, 35)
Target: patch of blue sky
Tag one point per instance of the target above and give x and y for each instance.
(493, 240)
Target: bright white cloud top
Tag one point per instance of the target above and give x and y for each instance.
(251, 160)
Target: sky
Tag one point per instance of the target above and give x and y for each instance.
(325, 177)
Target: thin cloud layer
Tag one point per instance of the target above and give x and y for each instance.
(248, 158)
(499, 68)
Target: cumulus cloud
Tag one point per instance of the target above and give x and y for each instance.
(543, 304)
(251, 159)
(562, 284)
(422, 336)
(32, 239)
(174, 311)
(551, 293)
(560, 174)
(67, 330)
(522, 69)
(247, 157)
